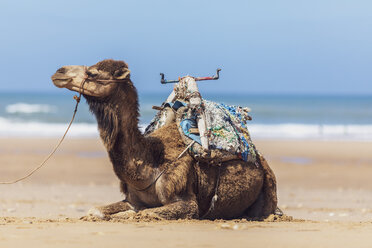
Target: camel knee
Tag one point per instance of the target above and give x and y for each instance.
(191, 209)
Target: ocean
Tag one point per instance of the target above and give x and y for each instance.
(321, 117)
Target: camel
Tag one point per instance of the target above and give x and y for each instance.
(155, 184)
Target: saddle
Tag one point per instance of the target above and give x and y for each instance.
(214, 132)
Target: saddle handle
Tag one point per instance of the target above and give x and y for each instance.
(215, 77)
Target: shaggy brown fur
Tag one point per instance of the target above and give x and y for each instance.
(185, 187)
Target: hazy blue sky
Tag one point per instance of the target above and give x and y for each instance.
(289, 46)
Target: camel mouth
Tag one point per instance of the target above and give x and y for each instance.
(60, 80)
(67, 83)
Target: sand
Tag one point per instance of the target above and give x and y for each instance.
(325, 186)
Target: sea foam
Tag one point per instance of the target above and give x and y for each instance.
(310, 131)
(13, 128)
(26, 108)
(42, 129)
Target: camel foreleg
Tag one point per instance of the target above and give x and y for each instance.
(103, 212)
(176, 210)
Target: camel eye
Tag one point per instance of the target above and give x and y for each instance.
(90, 74)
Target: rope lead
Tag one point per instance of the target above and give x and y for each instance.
(77, 98)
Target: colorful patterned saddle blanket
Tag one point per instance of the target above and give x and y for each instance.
(227, 131)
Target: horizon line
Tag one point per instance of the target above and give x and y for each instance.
(157, 93)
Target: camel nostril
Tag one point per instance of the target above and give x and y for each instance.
(61, 70)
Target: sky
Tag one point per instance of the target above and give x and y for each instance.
(262, 47)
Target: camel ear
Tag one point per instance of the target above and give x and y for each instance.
(122, 73)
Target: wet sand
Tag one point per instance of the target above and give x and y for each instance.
(325, 186)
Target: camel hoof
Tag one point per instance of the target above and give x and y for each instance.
(126, 215)
(95, 212)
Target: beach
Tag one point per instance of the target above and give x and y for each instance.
(293, 77)
(324, 186)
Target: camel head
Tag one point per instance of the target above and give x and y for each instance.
(99, 80)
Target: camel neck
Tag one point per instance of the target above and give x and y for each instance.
(130, 155)
(117, 119)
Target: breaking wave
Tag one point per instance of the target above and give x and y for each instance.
(26, 108)
(11, 128)
(310, 131)
(42, 129)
